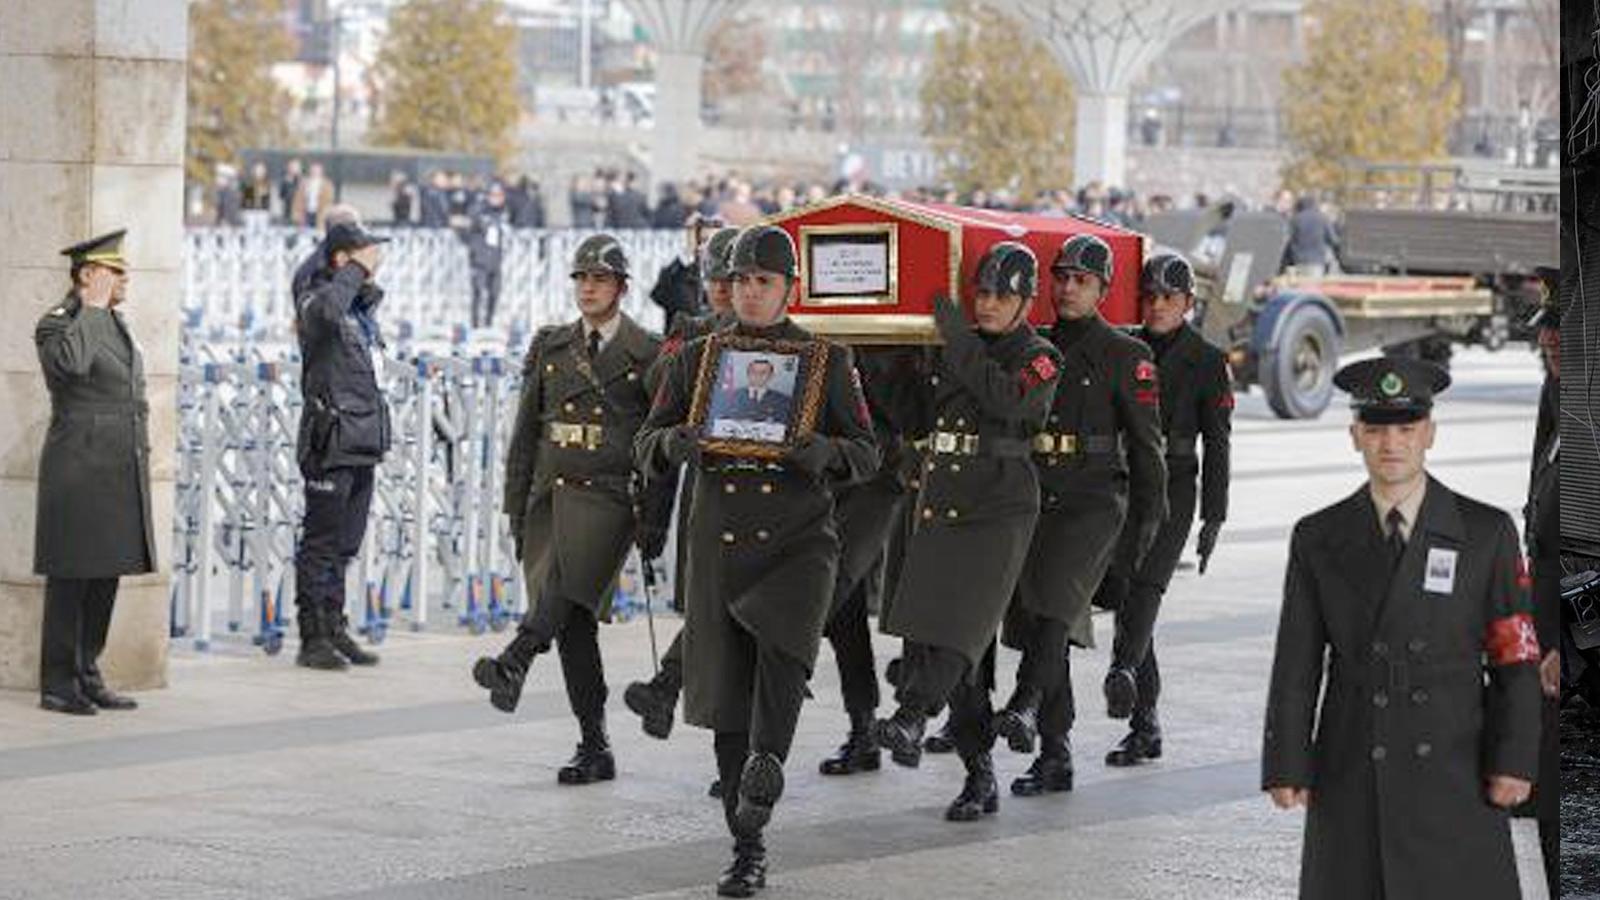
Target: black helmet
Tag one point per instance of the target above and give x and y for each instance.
(1166, 273)
(1008, 268)
(766, 248)
(1086, 253)
(600, 253)
(716, 258)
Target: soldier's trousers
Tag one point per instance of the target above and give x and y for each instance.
(1133, 645)
(576, 634)
(850, 634)
(779, 689)
(337, 503)
(934, 676)
(77, 613)
(1058, 710)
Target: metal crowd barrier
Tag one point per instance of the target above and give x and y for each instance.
(437, 551)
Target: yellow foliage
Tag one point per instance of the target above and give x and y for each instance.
(996, 105)
(234, 103)
(447, 77)
(1375, 87)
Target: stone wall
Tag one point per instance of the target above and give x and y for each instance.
(91, 139)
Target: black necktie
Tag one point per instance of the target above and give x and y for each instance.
(1397, 538)
(594, 343)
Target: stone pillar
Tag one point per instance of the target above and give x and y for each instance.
(675, 146)
(92, 97)
(1101, 142)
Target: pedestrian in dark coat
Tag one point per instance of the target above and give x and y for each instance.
(1403, 711)
(569, 495)
(1196, 420)
(764, 551)
(93, 521)
(486, 240)
(981, 405)
(1100, 463)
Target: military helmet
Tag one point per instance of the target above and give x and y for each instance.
(1084, 253)
(1008, 268)
(716, 258)
(765, 248)
(1166, 273)
(600, 253)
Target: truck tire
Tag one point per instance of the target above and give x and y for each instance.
(1297, 371)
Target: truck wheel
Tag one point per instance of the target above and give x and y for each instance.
(1297, 372)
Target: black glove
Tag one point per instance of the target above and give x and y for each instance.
(516, 536)
(1207, 541)
(681, 445)
(947, 315)
(650, 540)
(812, 454)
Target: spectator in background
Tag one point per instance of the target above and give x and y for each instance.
(627, 207)
(670, 211)
(525, 204)
(739, 210)
(1311, 239)
(435, 201)
(288, 186)
(460, 198)
(485, 250)
(229, 202)
(256, 193)
(402, 198)
(581, 199)
(312, 198)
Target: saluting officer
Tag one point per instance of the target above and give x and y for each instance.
(1196, 407)
(1100, 463)
(93, 524)
(569, 495)
(763, 553)
(981, 406)
(1403, 712)
(654, 700)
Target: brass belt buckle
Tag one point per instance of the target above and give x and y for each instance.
(590, 435)
(944, 442)
(969, 444)
(1067, 442)
(1044, 443)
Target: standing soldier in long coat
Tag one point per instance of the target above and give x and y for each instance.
(1101, 470)
(763, 553)
(93, 523)
(981, 406)
(1403, 712)
(1196, 407)
(570, 497)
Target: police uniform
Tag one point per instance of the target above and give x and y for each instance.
(93, 521)
(1100, 461)
(985, 399)
(763, 560)
(1196, 409)
(1405, 675)
(569, 494)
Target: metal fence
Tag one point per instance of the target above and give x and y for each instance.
(437, 551)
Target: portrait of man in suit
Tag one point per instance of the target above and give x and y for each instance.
(755, 396)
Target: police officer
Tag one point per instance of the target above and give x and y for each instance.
(485, 237)
(93, 524)
(568, 493)
(344, 433)
(763, 552)
(985, 399)
(654, 700)
(1100, 462)
(1196, 406)
(1543, 531)
(1403, 712)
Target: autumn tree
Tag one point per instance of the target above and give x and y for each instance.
(996, 106)
(734, 55)
(234, 103)
(447, 72)
(1375, 87)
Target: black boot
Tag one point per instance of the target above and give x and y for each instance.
(339, 637)
(859, 752)
(941, 741)
(894, 671)
(901, 735)
(316, 651)
(1122, 692)
(653, 701)
(1143, 741)
(502, 676)
(1018, 723)
(979, 796)
(747, 874)
(593, 761)
(1050, 773)
(760, 786)
(714, 790)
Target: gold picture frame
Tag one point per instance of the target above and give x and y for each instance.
(814, 236)
(757, 422)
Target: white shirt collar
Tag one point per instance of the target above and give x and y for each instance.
(1409, 506)
(607, 331)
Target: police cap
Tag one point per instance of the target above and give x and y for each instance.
(1389, 390)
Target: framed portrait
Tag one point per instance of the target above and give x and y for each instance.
(755, 397)
(850, 265)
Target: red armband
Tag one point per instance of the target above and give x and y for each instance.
(1040, 370)
(1147, 396)
(1144, 370)
(1512, 640)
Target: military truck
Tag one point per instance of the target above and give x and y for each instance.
(1430, 257)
